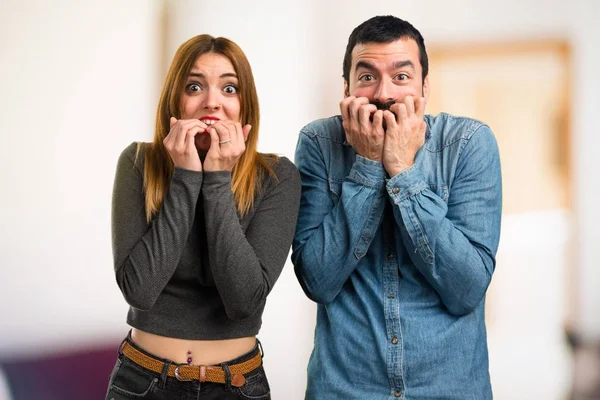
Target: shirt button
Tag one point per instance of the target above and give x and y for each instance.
(395, 190)
(390, 256)
(394, 340)
(397, 393)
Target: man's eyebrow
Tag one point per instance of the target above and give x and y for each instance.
(397, 65)
(365, 65)
(201, 75)
(405, 63)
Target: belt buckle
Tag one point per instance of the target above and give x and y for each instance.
(179, 377)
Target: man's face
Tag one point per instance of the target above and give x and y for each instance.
(386, 73)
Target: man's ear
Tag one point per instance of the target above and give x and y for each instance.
(426, 89)
(346, 89)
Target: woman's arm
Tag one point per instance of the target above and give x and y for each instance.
(146, 255)
(246, 266)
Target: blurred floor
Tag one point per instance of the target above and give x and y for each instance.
(586, 367)
(4, 390)
(74, 375)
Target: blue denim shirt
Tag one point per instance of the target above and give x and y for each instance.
(399, 267)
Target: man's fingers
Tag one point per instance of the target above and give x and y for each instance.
(378, 119)
(355, 107)
(390, 119)
(364, 115)
(401, 114)
(345, 107)
(409, 102)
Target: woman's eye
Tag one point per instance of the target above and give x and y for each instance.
(193, 87)
(230, 89)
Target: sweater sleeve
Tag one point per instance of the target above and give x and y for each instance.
(146, 255)
(246, 266)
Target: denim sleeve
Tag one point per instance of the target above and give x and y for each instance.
(332, 237)
(454, 245)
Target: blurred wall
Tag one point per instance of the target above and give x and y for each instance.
(80, 81)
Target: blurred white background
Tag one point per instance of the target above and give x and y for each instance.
(80, 81)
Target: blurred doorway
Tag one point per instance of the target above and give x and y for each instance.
(522, 91)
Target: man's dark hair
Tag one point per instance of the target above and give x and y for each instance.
(384, 29)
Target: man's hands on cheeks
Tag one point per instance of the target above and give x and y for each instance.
(404, 134)
(228, 143)
(366, 137)
(180, 143)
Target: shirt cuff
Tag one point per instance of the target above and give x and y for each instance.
(368, 172)
(217, 184)
(216, 177)
(187, 175)
(406, 184)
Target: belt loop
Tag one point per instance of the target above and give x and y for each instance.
(227, 377)
(163, 376)
(202, 373)
(262, 352)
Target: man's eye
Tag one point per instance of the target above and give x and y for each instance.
(366, 78)
(193, 87)
(402, 77)
(230, 89)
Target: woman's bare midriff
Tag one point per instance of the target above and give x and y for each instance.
(201, 352)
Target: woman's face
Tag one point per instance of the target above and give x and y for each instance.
(211, 94)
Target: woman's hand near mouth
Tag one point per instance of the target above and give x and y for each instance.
(228, 143)
(180, 142)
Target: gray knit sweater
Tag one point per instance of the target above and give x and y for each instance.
(198, 270)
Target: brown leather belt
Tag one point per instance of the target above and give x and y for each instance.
(202, 373)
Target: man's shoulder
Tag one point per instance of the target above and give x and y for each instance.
(329, 128)
(444, 129)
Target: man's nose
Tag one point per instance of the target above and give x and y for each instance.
(385, 91)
